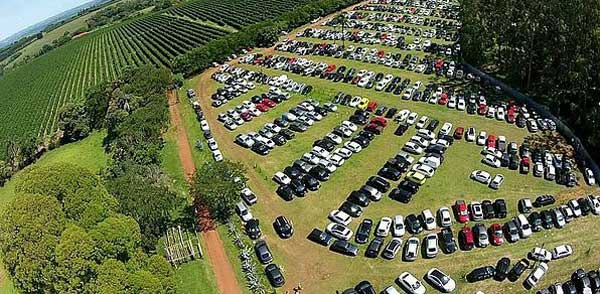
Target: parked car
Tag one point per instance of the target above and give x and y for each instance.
(263, 252)
(283, 227)
(410, 284)
(274, 275)
(392, 248)
(411, 249)
(339, 231)
(481, 273)
(517, 270)
(502, 269)
(320, 237)
(440, 281)
(344, 247)
(536, 275)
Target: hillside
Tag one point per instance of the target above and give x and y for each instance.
(36, 91)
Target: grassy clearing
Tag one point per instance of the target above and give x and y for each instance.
(321, 271)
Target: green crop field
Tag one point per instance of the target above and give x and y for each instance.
(34, 93)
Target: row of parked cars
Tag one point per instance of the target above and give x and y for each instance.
(538, 259)
(238, 81)
(438, 9)
(213, 146)
(435, 277)
(283, 129)
(579, 282)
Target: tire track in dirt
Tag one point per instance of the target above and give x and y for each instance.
(224, 273)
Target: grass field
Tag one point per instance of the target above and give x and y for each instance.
(321, 271)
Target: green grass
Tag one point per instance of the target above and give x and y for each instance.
(195, 277)
(318, 269)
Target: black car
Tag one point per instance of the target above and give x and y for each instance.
(447, 241)
(502, 268)
(320, 237)
(488, 209)
(398, 163)
(351, 209)
(402, 128)
(481, 273)
(311, 183)
(363, 231)
(594, 280)
(283, 227)
(287, 134)
(547, 219)
(320, 173)
(401, 195)
(511, 232)
(544, 200)
(344, 247)
(378, 183)
(298, 187)
(433, 124)
(286, 192)
(359, 198)
(581, 280)
(279, 140)
(535, 221)
(263, 252)
(500, 208)
(391, 112)
(325, 144)
(517, 270)
(365, 287)
(362, 141)
(374, 247)
(413, 224)
(253, 229)
(389, 173)
(358, 119)
(293, 172)
(260, 148)
(584, 205)
(274, 275)
(568, 287)
(298, 127)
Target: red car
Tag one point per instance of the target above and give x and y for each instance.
(491, 141)
(525, 165)
(246, 116)
(269, 102)
(262, 107)
(379, 121)
(510, 116)
(374, 128)
(330, 68)
(465, 238)
(462, 213)
(459, 133)
(372, 106)
(496, 235)
(443, 99)
(483, 109)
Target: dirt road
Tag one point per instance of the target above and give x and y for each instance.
(224, 273)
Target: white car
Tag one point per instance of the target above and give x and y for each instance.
(423, 142)
(409, 283)
(212, 144)
(427, 170)
(383, 228)
(540, 254)
(497, 182)
(330, 167)
(336, 159)
(562, 251)
(481, 176)
(217, 155)
(470, 135)
(476, 211)
(412, 118)
(445, 217)
(335, 138)
(398, 228)
(353, 146)
(204, 125)
(248, 196)
(343, 152)
(481, 139)
(320, 152)
(431, 245)
(446, 129)
(428, 219)
(536, 275)
(440, 280)
(432, 161)
(350, 125)
(273, 127)
(310, 158)
(413, 148)
(339, 231)
(402, 115)
(422, 122)
(340, 217)
(281, 178)
(574, 205)
(524, 226)
(491, 160)
(243, 211)
(594, 203)
(589, 177)
(390, 290)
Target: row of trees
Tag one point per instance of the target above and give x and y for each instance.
(550, 49)
(262, 34)
(63, 234)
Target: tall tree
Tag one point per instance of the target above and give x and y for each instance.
(73, 120)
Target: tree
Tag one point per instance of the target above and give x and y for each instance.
(111, 277)
(73, 120)
(147, 199)
(82, 195)
(116, 237)
(74, 260)
(96, 104)
(30, 229)
(217, 186)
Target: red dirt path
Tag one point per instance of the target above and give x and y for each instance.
(224, 273)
